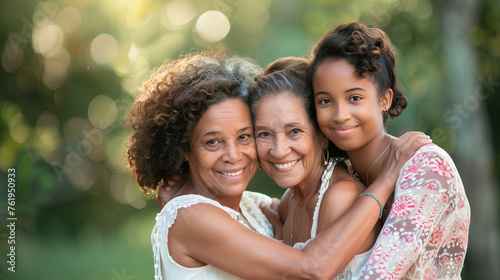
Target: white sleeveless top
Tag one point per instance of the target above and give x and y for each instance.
(165, 266)
(359, 260)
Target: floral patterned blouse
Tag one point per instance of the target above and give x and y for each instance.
(426, 232)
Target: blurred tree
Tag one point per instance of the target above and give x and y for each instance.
(474, 153)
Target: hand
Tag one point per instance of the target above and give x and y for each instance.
(167, 192)
(272, 214)
(400, 151)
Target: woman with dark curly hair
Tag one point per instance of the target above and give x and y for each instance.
(191, 117)
(355, 90)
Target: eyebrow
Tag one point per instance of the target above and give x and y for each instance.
(292, 124)
(213, 133)
(347, 91)
(354, 89)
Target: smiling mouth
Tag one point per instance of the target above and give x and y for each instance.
(285, 165)
(345, 130)
(233, 173)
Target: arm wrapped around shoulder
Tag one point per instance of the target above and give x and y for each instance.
(426, 232)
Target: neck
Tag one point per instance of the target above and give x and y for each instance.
(191, 187)
(370, 158)
(307, 188)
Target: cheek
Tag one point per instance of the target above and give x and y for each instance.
(250, 151)
(263, 148)
(207, 160)
(323, 119)
(322, 114)
(370, 115)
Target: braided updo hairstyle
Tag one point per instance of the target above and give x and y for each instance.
(369, 50)
(170, 104)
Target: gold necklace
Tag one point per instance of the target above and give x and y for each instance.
(367, 183)
(292, 233)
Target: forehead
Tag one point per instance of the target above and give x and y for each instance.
(283, 106)
(340, 75)
(340, 68)
(230, 113)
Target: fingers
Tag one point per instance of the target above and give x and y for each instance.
(271, 212)
(167, 192)
(175, 180)
(159, 197)
(275, 204)
(405, 147)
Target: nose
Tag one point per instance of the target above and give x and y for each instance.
(341, 113)
(280, 147)
(232, 153)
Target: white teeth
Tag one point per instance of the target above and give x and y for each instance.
(285, 165)
(233, 174)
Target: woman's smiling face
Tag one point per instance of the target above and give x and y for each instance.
(223, 159)
(348, 107)
(288, 144)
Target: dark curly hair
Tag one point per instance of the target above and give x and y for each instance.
(170, 104)
(288, 74)
(369, 50)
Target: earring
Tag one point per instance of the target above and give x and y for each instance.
(385, 111)
(326, 157)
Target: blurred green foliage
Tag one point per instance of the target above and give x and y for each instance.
(70, 70)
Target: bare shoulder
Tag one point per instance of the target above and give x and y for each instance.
(341, 194)
(184, 239)
(200, 216)
(342, 179)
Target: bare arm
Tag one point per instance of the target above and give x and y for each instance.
(209, 235)
(339, 197)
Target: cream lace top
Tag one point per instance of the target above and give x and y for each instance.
(425, 235)
(359, 260)
(165, 266)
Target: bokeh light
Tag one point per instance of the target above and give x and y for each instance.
(48, 139)
(116, 153)
(19, 129)
(48, 40)
(102, 112)
(124, 190)
(180, 12)
(212, 26)
(74, 130)
(104, 48)
(95, 144)
(69, 19)
(56, 68)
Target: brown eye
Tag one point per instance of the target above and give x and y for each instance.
(212, 142)
(263, 134)
(245, 137)
(324, 101)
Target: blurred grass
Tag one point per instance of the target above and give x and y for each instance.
(121, 253)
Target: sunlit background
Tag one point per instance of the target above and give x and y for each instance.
(70, 71)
